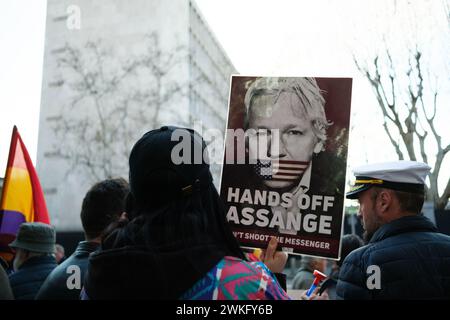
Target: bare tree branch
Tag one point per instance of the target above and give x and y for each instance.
(393, 96)
(109, 108)
(394, 143)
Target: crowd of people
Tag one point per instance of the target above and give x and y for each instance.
(169, 217)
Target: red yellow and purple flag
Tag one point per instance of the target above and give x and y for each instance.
(22, 197)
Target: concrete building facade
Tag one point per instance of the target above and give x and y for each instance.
(112, 71)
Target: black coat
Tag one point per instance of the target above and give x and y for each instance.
(5, 288)
(26, 282)
(55, 287)
(414, 262)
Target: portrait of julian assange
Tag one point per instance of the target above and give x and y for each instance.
(285, 161)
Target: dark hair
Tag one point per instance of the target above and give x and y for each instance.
(410, 202)
(172, 206)
(349, 243)
(195, 219)
(102, 205)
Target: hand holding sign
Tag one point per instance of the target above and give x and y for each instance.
(273, 259)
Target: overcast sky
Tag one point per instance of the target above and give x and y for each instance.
(261, 37)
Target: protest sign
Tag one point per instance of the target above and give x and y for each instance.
(285, 162)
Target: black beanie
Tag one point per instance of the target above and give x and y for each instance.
(161, 168)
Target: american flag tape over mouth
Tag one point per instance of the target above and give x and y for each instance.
(280, 170)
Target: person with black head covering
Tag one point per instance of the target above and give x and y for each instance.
(178, 244)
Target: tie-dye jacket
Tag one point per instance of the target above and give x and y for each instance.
(235, 279)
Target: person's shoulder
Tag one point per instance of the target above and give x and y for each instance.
(237, 265)
(46, 264)
(81, 261)
(357, 257)
(22, 276)
(250, 279)
(414, 239)
(62, 271)
(440, 237)
(412, 246)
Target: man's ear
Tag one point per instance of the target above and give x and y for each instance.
(318, 147)
(385, 201)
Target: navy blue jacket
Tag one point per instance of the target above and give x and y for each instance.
(413, 259)
(26, 282)
(55, 287)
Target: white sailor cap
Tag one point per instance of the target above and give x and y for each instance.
(407, 176)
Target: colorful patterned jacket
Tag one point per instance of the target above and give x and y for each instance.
(235, 279)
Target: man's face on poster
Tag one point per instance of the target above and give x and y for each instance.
(296, 138)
